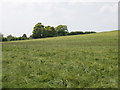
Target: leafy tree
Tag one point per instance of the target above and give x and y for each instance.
(38, 31)
(24, 37)
(4, 39)
(61, 30)
(50, 31)
(10, 38)
(30, 37)
(19, 38)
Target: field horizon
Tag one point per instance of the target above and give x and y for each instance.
(76, 61)
(61, 36)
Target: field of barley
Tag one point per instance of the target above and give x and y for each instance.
(78, 61)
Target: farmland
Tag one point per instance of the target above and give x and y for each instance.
(78, 61)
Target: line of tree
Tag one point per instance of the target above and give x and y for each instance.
(80, 32)
(13, 38)
(41, 31)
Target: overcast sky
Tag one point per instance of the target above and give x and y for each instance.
(20, 16)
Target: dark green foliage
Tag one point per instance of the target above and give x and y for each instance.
(1, 37)
(76, 33)
(38, 31)
(31, 36)
(10, 38)
(88, 32)
(61, 30)
(19, 38)
(24, 37)
(50, 31)
(41, 31)
(4, 39)
(81, 32)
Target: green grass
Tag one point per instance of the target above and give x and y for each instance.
(80, 61)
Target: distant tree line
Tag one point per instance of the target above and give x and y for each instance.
(13, 38)
(80, 32)
(41, 31)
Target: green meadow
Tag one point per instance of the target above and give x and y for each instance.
(78, 61)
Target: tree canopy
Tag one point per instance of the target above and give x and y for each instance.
(61, 30)
(38, 31)
(24, 37)
(41, 31)
(50, 31)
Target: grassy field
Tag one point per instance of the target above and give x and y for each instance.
(80, 61)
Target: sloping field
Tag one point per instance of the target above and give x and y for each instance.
(80, 61)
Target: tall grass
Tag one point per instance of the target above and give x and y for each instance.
(80, 61)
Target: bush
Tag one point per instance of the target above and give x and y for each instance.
(4, 39)
(10, 38)
(88, 32)
(76, 33)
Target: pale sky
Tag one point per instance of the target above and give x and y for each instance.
(19, 16)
